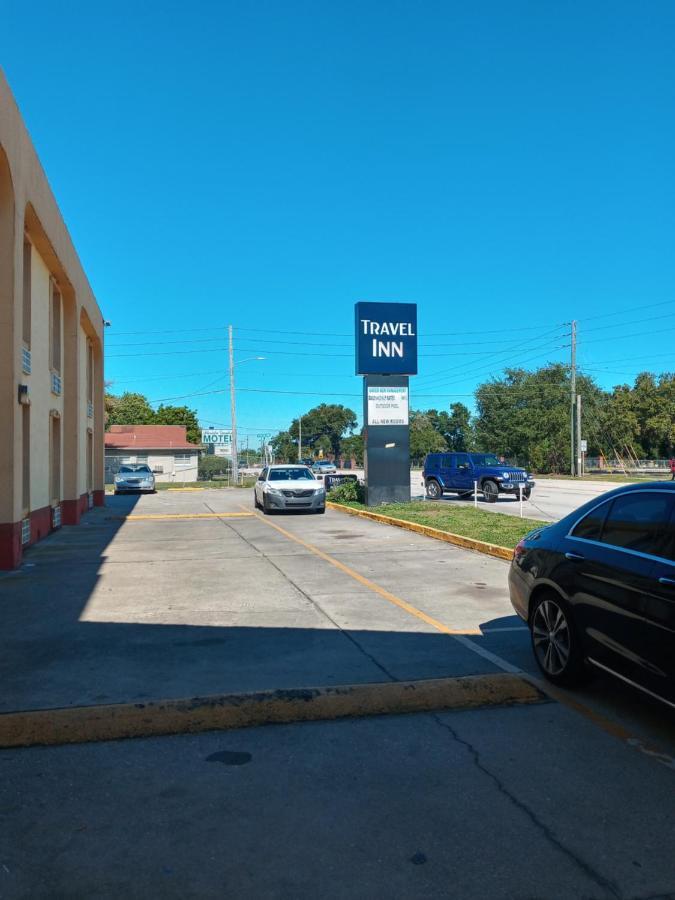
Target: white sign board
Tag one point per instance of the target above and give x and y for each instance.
(583, 446)
(223, 450)
(217, 436)
(387, 405)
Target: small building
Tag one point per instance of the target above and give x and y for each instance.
(51, 356)
(165, 448)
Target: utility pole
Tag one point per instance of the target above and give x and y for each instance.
(300, 439)
(573, 398)
(579, 469)
(233, 412)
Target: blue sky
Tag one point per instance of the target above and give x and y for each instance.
(507, 166)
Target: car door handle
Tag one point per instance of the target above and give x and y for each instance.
(670, 581)
(573, 556)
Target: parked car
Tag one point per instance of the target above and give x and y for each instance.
(135, 477)
(324, 467)
(597, 590)
(457, 472)
(289, 487)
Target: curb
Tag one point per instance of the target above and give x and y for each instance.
(457, 539)
(222, 712)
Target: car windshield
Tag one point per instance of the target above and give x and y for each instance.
(290, 475)
(486, 459)
(136, 468)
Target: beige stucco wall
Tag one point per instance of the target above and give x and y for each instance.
(43, 401)
(27, 205)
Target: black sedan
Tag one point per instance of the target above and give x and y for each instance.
(597, 589)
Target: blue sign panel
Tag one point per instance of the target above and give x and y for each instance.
(386, 338)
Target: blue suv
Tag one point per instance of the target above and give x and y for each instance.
(457, 472)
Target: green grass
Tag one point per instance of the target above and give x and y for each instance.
(165, 485)
(494, 528)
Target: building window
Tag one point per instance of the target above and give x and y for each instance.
(55, 356)
(27, 288)
(183, 459)
(142, 459)
(126, 460)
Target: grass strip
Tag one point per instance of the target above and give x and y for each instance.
(493, 528)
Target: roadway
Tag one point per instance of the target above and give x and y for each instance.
(551, 500)
(185, 594)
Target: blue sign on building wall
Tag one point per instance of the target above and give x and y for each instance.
(386, 338)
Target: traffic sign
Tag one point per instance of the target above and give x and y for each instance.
(583, 446)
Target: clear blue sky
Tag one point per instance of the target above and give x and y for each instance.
(508, 166)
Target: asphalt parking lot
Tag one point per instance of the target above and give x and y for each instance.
(184, 594)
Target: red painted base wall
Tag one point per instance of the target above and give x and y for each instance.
(11, 549)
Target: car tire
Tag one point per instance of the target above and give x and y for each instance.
(433, 489)
(256, 505)
(265, 508)
(321, 510)
(556, 643)
(527, 495)
(490, 491)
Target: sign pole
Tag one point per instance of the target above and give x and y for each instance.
(233, 412)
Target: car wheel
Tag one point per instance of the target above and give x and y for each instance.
(265, 507)
(556, 643)
(256, 505)
(434, 490)
(321, 510)
(490, 491)
(526, 495)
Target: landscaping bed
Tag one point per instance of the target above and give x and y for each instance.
(493, 528)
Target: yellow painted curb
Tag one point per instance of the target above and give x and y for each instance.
(457, 539)
(127, 720)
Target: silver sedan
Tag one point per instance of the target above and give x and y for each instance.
(289, 487)
(136, 477)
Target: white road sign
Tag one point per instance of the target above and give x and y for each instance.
(583, 446)
(387, 405)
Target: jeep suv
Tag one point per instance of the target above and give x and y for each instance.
(457, 472)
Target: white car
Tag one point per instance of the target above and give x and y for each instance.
(289, 487)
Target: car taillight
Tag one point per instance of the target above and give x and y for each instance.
(520, 550)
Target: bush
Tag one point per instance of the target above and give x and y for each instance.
(349, 492)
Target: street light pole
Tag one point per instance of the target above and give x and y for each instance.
(233, 412)
(300, 439)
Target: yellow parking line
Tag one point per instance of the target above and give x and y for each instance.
(366, 582)
(223, 515)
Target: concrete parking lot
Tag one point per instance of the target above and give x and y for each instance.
(183, 594)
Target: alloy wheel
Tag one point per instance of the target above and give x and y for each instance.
(551, 637)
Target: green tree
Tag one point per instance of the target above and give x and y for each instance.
(352, 447)
(526, 416)
(285, 449)
(324, 426)
(128, 409)
(424, 438)
(180, 415)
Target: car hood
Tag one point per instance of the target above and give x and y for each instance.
(501, 470)
(296, 485)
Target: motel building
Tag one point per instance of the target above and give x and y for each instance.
(51, 356)
(164, 448)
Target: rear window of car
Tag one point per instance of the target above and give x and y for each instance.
(639, 521)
